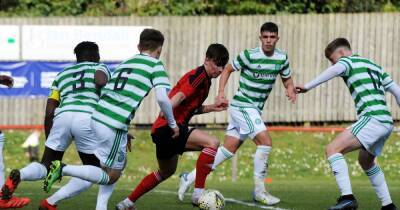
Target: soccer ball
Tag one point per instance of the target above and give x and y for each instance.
(211, 200)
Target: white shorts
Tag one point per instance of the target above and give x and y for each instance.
(111, 148)
(72, 125)
(244, 122)
(371, 133)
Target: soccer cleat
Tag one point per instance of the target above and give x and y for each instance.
(184, 185)
(195, 198)
(14, 202)
(44, 205)
(389, 207)
(345, 202)
(54, 175)
(125, 205)
(10, 184)
(265, 198)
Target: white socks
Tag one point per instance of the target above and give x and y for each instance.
(2, 139)
(32, 172)
(104, 194)
(71, 189)
(222, 155)
(260, 167)
(341, 173)
(87, 172)
(377, 178)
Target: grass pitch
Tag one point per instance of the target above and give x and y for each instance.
(300, 175)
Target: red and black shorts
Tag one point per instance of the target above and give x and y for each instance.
(166, 146)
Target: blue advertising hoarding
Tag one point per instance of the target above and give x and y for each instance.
(33, 78)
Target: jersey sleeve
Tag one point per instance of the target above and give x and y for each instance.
(54, 91)
(346, 63)
(285, 70)
(241, 61)
(190, 85)
(159, 77)
(104, 68)
(387, 81)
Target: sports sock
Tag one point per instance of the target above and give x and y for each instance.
(2, 139)
(341, 173)
(32, 172)
(71, 189)
(203, 166)
(222, 155)
(87, 172)
(260, 167)
(377, 178)
(148, 183)
(103, 195)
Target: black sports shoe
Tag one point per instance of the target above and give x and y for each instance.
(345, 202)
(389, 207)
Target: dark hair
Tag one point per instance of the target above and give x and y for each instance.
(218, 53)
(87, 51)
(338, 42)
(150, 39)
(270, 27)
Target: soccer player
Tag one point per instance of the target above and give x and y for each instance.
(120, 98)
(74, 93)
(187, 98)
(9, 82)
(259, 68)
(367, 83)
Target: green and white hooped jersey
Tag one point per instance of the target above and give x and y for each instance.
(367, 83)
(257, 76)
(129, 84)
(76, 87)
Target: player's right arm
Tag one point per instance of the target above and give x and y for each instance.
(328, 74)
(53, 101)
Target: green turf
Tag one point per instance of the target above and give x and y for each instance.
(301, 176)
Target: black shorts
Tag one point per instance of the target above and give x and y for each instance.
(166, 146)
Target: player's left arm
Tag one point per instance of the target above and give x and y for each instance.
(290, 89)
(217, 107)
(101, 77)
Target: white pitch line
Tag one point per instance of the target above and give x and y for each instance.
(230, 200)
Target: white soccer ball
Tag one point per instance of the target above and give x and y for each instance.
(211, 200)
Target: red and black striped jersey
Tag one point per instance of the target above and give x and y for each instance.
(195, 85)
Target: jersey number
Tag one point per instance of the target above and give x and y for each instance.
(81, 83)
(121, 81)
(377, 85)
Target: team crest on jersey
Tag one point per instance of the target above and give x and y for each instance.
(258, 121)
(277, 67)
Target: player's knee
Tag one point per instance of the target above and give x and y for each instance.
(331, 149)
(213, 143)
(166, 173)
(113, 176)
(365, 164)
